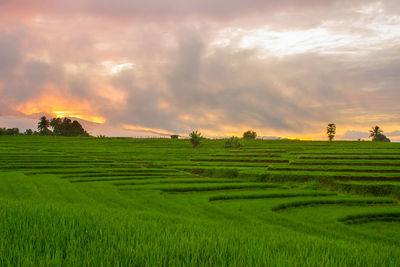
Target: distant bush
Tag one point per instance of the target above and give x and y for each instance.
(195, 138)
(381, 138)
(12, 131)
(250, 134)
(233, 142)
(174, 136)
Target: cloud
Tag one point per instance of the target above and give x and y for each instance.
(230, 87)
(22, 123)
(10, 53)
(354, 135)
(198, 86)
(308, 13)
(394, 133)
(204, 65)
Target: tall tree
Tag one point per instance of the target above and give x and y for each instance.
(375, 132)
(55, 123)
(331, 131)
(195, 138)
(43, 126)
(77, 129)
(66, 127)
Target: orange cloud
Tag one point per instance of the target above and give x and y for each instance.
(114, 96)
(53, 102)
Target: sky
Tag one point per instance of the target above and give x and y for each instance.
(136, 68)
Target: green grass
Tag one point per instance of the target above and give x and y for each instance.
(159, 202)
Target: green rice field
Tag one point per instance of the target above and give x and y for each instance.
(159, 202)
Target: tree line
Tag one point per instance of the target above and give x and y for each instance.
(196, 138)
(234, 142)
(67, 127)
(59, 127)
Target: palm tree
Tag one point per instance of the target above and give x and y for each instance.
(377, 135)
(43, 125)
(375, 132)
(331, 131)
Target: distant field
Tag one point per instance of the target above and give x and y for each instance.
(159, 202)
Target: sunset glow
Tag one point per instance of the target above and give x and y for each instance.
(59, 106)
(63, 114)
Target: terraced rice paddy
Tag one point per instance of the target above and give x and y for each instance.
(138, 202)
